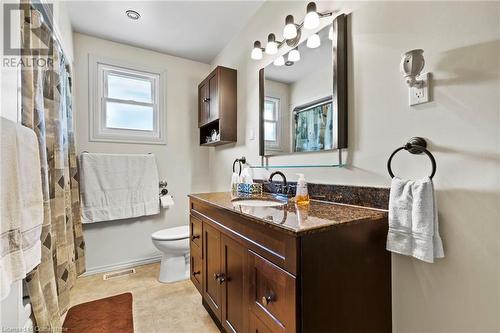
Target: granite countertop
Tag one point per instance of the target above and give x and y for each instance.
(293, 218)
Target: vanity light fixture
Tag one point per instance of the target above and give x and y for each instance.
(132, 14)
(257, 51)
(280, 61)
(311, 21)
(313, 41)
(294, 55)
(272, 46)
(292, 33)
(290, 30)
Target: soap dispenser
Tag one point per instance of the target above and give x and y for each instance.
(301, 194)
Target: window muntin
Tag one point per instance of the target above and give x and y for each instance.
(128, 103)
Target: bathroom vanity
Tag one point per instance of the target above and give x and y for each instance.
(265, 265)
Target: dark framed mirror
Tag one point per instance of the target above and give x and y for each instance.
(303, 96)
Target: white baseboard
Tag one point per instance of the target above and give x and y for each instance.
(122, 265)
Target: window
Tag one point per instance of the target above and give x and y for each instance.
(272, 127)
(128, 103)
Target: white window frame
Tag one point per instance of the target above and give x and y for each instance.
(275, 145)
(99, 68)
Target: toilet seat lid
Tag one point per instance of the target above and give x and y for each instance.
(172, 233)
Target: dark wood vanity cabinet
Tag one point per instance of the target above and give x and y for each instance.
(217, 106)
(258, 279)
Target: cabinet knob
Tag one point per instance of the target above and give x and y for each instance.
(266, 300)
(196, 273)
(195, 237)
(216, 276)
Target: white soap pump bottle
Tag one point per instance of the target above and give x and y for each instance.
(301, 194)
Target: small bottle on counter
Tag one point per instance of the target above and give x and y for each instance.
(301, 194)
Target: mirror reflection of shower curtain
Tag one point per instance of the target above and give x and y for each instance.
(314, 129)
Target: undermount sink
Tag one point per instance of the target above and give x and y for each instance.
(258, 203)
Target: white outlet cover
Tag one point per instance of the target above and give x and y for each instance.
(251, 135)
(419, 95)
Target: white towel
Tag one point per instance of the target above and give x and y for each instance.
(235, 179)
(21, 203)
(413, 220)
(118, 186)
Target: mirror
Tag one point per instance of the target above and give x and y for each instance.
(303, 100)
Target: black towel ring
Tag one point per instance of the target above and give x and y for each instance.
(415, 145)
(240, 161)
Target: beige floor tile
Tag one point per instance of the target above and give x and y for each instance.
(157, 307)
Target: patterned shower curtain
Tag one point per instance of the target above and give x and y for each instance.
(47, 109)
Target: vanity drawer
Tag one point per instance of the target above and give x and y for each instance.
(271, 294)
(196, 267)
(195, 231)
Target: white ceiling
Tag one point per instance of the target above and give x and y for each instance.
(196, 30)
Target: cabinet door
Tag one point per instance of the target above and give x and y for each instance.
(271, 294)
(234, 304)
(196, 267)
(204, 101)
(214, 98)
(212, 269)
(257, 326)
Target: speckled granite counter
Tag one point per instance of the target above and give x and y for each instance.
(293, 218)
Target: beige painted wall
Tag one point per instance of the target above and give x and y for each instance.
(460, 293)
(182, 163)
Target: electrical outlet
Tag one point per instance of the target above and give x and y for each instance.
(420, 94)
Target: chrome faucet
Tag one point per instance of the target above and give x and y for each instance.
(280, 189)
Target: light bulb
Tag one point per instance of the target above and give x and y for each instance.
(294, 55)
(313, 41)
(272, 46)
(330, 33)
(257, 51)
(280, 61)
(290, 30)
(311, 20)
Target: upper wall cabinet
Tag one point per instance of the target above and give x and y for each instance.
(217, 107)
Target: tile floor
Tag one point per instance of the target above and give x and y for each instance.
(157, 307)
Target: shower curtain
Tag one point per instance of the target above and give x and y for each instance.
(47, 109)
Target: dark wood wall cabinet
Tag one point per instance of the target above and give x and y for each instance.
(217, 107)
(255, 278)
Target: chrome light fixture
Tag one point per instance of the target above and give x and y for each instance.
(290, 30)
(257, 51)
(313, 41)
(294, 55)
(292, 34)
(272, 46)
(311, 21)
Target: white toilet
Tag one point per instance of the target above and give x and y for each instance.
(174, 246)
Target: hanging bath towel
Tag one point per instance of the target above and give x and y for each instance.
(118, 186)
(21, 204)
(413, 220)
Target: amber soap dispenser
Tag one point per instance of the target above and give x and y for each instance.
(301, 195)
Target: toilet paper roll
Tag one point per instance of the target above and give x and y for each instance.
(166, 201)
